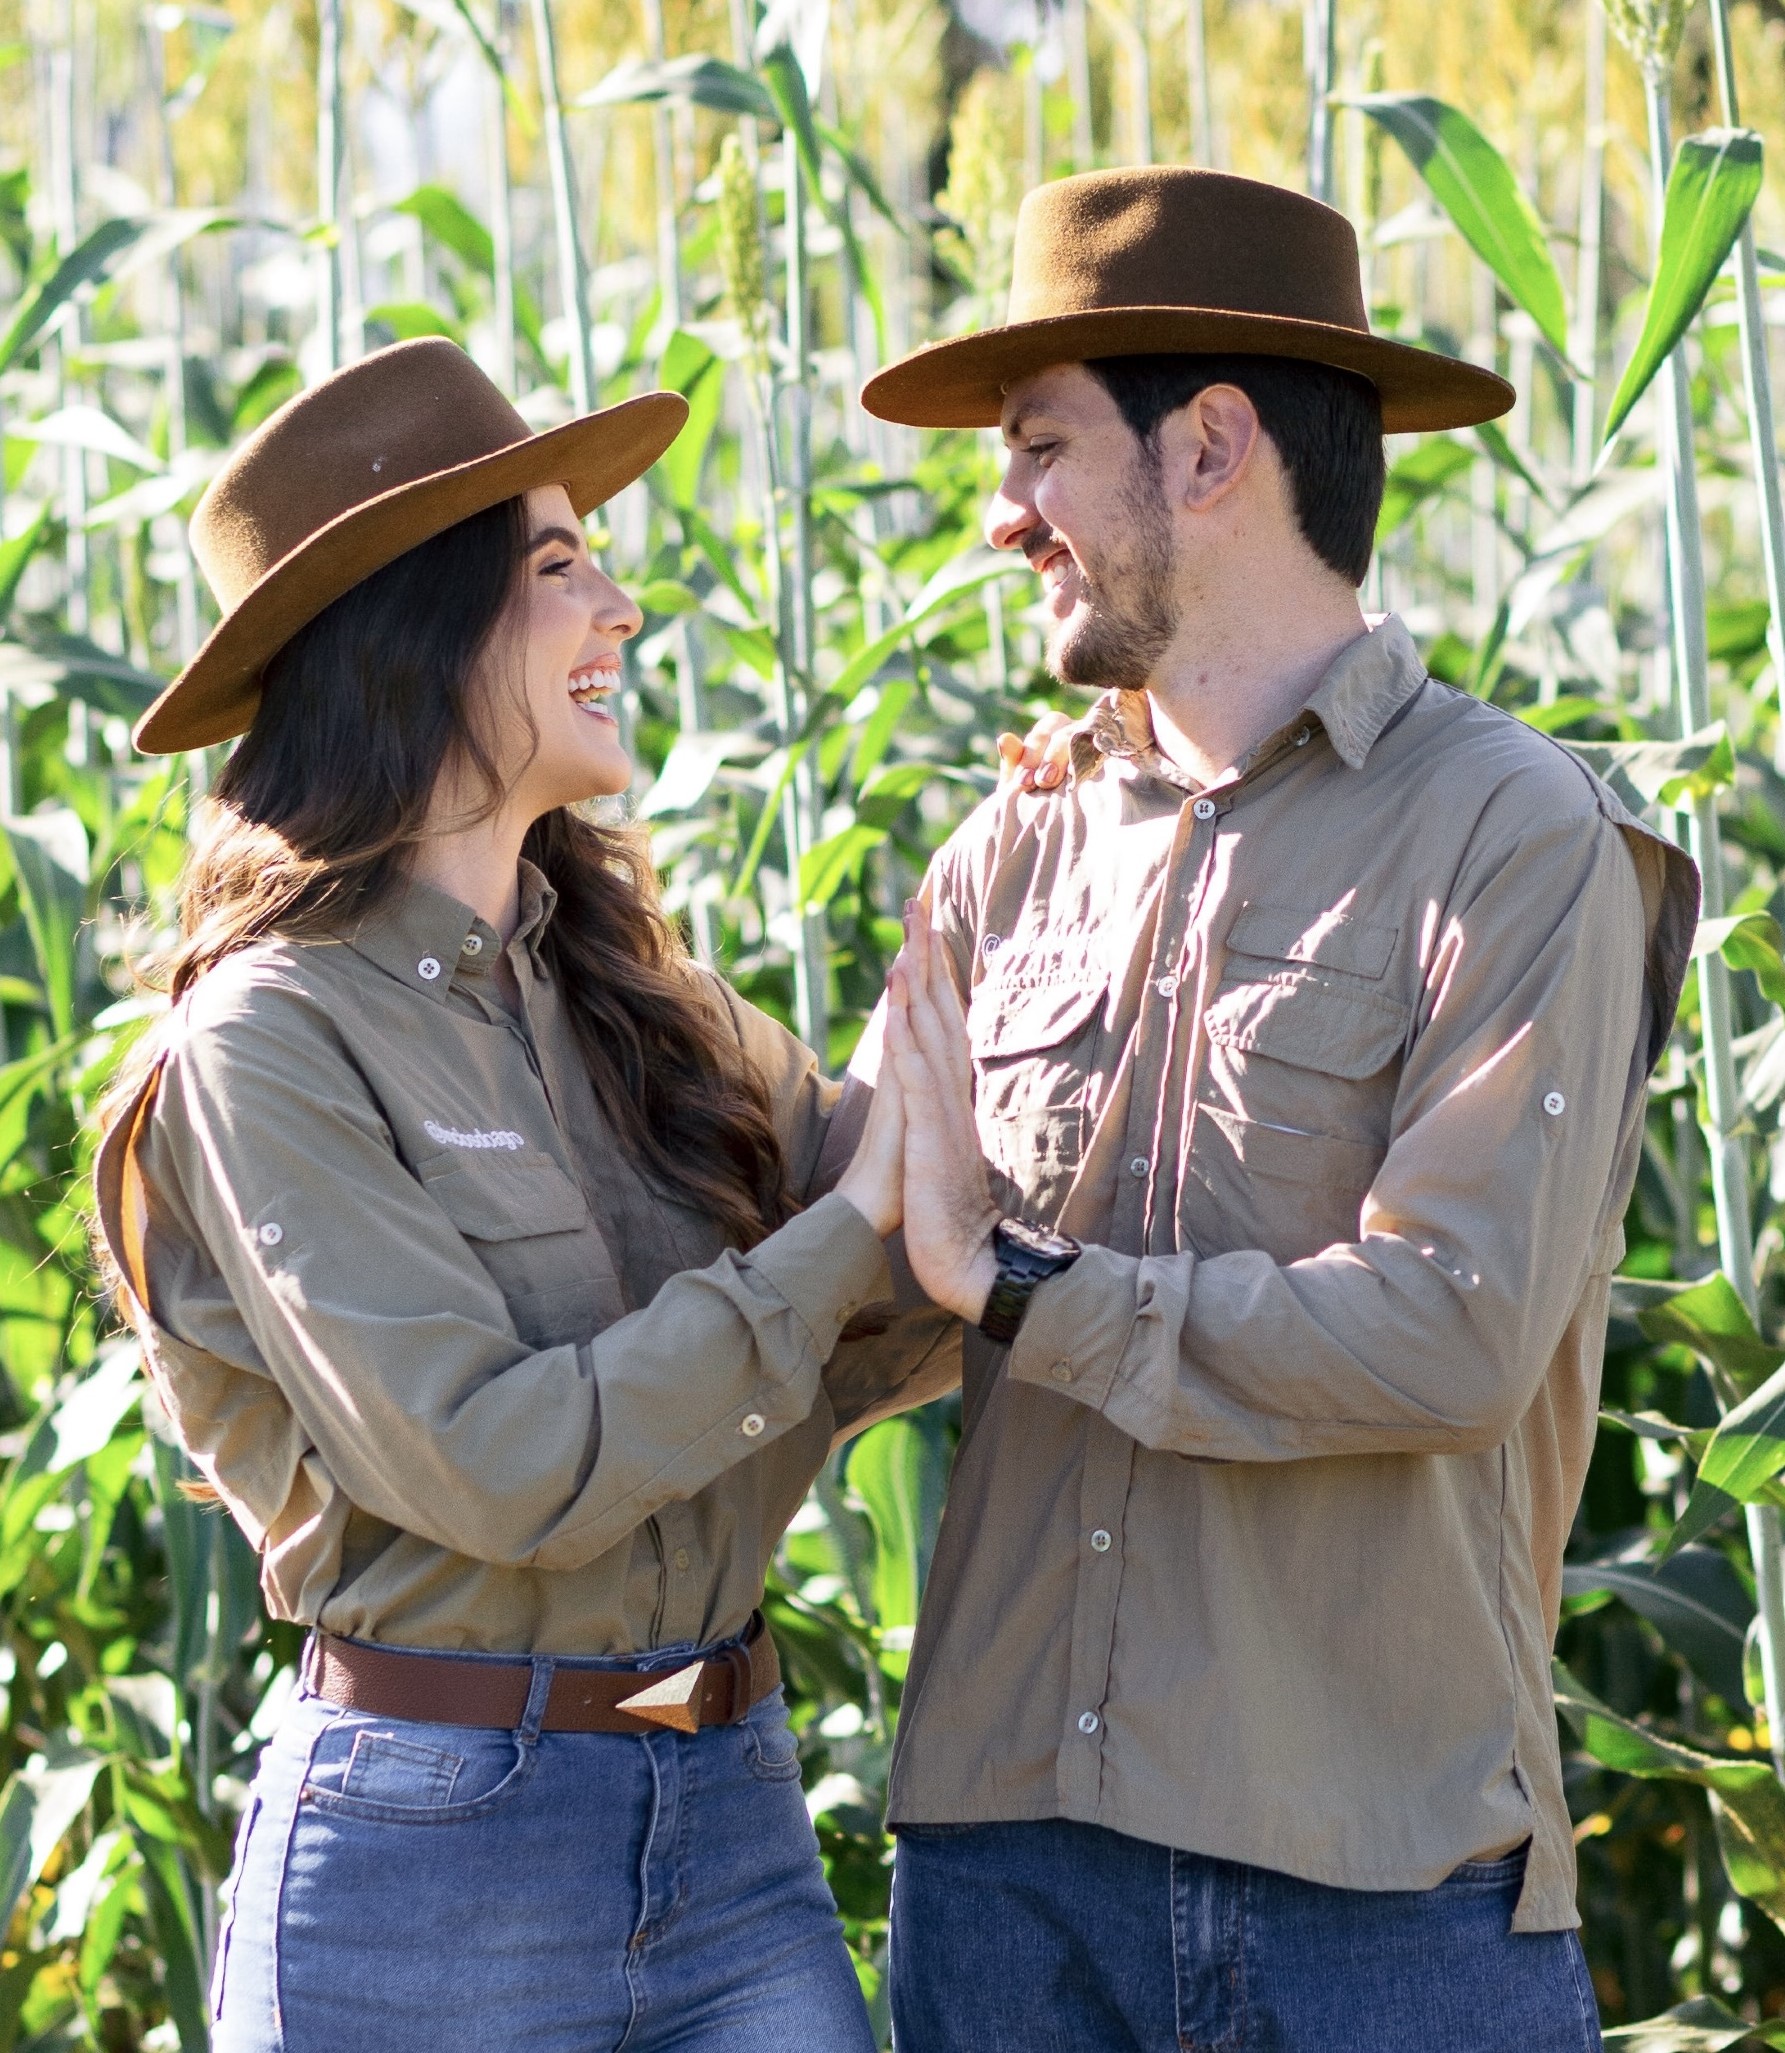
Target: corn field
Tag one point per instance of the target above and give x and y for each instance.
(202, 210)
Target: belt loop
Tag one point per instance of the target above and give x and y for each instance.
(538, 1690)
(310, 1667)
(737, 1659)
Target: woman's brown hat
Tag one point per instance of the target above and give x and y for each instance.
(344, 479)
(1163, 259)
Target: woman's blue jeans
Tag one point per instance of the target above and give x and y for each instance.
(420, 1888)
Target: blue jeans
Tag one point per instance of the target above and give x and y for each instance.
(419, 1888)
(1055, 1937)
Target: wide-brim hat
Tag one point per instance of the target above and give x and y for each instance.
(1165, 259)
(344, 479)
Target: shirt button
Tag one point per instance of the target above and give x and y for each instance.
(473, 945)
(1166, 986)
(1100, 1542)
(1301, 737)
(1061, 1372)
(682, 1559)
(428, 968)
(1138, 1167)
(271, 1233)
(1204, 808)
(1088, 1722)
(751, 1424)
(1554, 1103)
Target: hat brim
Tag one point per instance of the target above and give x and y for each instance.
(962, 383)
(215, 697)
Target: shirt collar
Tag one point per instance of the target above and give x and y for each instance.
(1369, 682)
(424, 937)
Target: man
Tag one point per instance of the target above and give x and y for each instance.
(1315, 1008)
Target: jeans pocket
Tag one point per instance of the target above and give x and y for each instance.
(407, 1773)
(770, 1747)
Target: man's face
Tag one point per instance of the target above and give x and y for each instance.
(1084, 500)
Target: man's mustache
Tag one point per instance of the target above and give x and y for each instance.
(1037, 544)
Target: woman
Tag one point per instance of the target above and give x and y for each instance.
(460, 1216)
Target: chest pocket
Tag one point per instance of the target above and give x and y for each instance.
(529, 1227)
(1304, 1054)
(1031, 1041)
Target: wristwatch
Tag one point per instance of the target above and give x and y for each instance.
(1027, 1255)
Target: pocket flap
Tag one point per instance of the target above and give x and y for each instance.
(1329, 939)
(504, 1197)
(1022, 1019)
(1311, 1023)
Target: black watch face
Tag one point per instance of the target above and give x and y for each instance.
(1036, 1240)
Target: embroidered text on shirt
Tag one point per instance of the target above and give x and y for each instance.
(453, 1137)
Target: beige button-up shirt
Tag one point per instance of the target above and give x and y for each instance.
(1254, 1540)
(463, 1375)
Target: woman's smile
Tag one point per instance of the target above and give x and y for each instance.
(591, 683)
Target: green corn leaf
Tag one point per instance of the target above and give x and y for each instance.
(1750, 941)
(49, 857)
(451, 223)
(408, 318)
(1710, 192)
(896, 1473)
(827, 866)
(1747, 1798)
(888, 792)
(1746, 1451)
(37, 662)
(690, 368)
(1702, 2025)
(1708, 1317)
(705, 81)
(37, 1808)
(1474, 185)
(1695, 1600)
(15, 559)
(87, 427)
(1645, 773)
(86, 264)
(1420, 475)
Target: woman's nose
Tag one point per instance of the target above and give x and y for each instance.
(615, 611)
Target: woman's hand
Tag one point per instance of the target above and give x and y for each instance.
(1037, 762)
(949, 1214)
(874, 1182)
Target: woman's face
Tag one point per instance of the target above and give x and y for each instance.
(568, 620)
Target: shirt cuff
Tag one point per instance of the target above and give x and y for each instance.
(1076, 1328)
(827, 1262)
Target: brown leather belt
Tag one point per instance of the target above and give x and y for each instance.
(436, 1689)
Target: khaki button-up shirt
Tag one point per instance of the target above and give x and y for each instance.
(1253, 1543)
(464, 1376)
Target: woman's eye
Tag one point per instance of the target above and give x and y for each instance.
(557, 569)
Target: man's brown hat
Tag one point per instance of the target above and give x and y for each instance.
(1162, 259)
(344, 479)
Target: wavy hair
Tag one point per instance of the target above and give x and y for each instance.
(313, 818)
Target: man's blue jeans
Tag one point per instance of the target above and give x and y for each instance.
(1055, 1937)
(417, 1888)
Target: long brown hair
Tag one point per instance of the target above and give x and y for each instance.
(312, 819)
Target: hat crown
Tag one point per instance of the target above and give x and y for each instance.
(404, 413)
(1169, 236)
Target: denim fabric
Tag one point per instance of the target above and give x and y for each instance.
(420, 1888)
(1058, 1937)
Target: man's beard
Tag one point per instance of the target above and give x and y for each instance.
(1128, 608)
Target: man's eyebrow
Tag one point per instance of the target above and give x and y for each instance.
(564, 536)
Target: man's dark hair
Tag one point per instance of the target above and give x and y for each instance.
(1326, 424)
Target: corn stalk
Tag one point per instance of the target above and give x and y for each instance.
(573, 288)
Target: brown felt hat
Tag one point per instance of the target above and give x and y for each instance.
(1165, 259)
(347, 476)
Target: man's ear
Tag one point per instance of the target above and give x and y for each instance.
(1214, 440)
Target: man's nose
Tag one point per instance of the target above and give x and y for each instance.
(1008, 518)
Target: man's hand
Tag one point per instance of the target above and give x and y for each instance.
(1039, 761)
(949, 1214)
